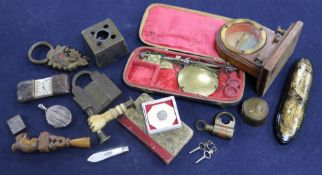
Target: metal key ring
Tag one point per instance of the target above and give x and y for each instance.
(202, 146)
(200, 125)
(207, 154)
(211, 145)
(34, 47)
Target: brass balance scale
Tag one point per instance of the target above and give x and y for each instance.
(195, 76)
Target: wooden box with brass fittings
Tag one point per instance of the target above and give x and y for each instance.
(181, 59)
(256, 49)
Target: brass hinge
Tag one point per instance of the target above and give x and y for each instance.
(259, 60)
(279, 32)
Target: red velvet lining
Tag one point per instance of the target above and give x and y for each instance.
(149, 76)
(185, 31)
(181, 30)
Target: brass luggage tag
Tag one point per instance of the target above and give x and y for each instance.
(58, 116)
(95, 97)
(61, 57)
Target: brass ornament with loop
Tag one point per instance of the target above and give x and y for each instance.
(61, 57)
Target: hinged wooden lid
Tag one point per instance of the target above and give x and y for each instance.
(180, 29)
(278, 57)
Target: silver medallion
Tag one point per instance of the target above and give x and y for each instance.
(162, 115)
(58, 116)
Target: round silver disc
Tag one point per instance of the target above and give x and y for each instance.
(58, 116)
(162, 115)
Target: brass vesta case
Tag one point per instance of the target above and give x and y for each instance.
(292, 109)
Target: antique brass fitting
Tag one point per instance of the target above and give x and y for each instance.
(97, 122)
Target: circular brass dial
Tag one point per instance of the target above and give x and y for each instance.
(243, 36)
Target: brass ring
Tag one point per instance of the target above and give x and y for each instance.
(227, 25)
(197, 125)
(34, 47)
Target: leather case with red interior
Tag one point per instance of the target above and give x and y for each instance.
(175, 31)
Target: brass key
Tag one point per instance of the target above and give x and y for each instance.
(201, 146)
(206, 155)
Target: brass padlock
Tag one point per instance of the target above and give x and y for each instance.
(220, 128)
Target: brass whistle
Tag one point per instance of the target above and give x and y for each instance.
(97, 122)
(47, 142)
(292, 109)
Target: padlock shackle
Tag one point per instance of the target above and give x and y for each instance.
(76, 76)
(34, 47)
(231, 116)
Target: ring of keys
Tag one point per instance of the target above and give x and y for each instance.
(208, 148)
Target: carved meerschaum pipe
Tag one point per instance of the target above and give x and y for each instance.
(47, 142)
